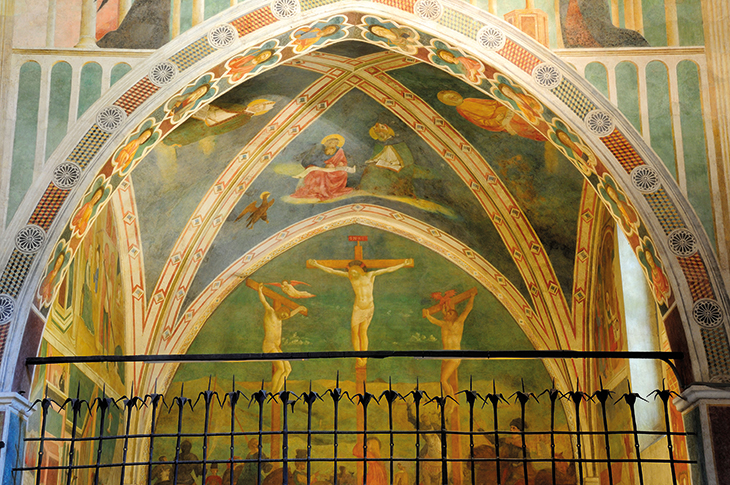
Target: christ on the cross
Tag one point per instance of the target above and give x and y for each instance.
(364, 307)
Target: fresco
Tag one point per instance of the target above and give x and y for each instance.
(376, 159)
(532, 169)
(187, 163)
(410, 123)
(59, 383)
(409, 298)
(608, 307)
(377, 182)
(88, 315)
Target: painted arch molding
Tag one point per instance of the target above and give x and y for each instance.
(81, 167)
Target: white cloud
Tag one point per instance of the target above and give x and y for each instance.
(295, 341)
(418, 337)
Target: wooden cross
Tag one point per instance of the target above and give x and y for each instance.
(278, 299)
(369, 263)
(452, 301)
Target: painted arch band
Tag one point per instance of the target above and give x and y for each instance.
(598, 122)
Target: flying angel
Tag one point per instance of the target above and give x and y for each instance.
(288, 288)
(257, 212)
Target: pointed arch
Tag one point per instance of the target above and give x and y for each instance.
(668, 229)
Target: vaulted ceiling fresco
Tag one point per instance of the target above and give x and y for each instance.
(473, 186)
(358, 120)
(422, 184)
(466, 163)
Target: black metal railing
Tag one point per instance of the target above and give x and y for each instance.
(505, 459)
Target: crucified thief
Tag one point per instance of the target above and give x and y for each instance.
(452, 328)
(272, 338)
(364, 307)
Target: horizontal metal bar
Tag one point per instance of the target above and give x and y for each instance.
(362, 432)
(371, 354)
(355, 460)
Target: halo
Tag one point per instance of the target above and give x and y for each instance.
(340, 139)
(374, 136)
(337, 28)
(271, 51)
(260, 101)
(442, 97)
(438, 54)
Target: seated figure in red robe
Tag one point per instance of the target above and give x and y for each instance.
(327, 179)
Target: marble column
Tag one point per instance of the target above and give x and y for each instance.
(14, 414)
(706, 412)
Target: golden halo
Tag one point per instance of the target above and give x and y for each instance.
(340, 139)
(444, 96)
(374, 135)
(260, 101)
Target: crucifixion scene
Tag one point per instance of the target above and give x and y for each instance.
(363, 282)
(331, 243)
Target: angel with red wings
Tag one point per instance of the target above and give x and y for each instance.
(444, 298)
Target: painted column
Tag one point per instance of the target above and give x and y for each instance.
(14, 413)
(643, 101)
(638, 17)
(8, 100)
(629, 14)
(51, 24)
(615, 20)
(43, 108)
(717, 49)
(73, 105)
(670, 12)
(176, 6)
(677, 127)
(87, 38)
(124, 6)
(198, 11)
(492, 7)
(558, 26)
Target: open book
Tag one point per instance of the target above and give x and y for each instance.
(309, 170)
(388, 158)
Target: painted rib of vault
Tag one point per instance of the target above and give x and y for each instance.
(616, 143)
